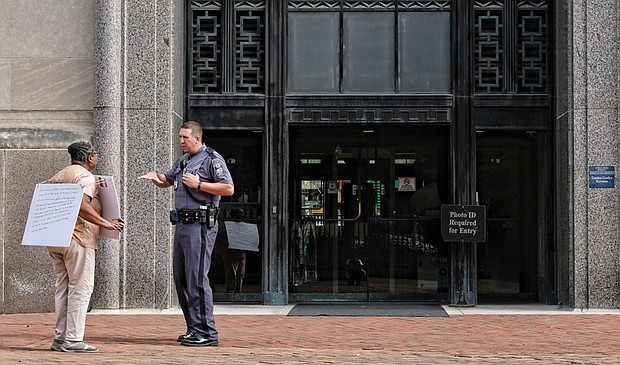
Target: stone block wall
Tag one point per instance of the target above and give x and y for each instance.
(46, 72)
(109, 71)
(46, 102)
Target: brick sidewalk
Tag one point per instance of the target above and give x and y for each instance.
(279, 339)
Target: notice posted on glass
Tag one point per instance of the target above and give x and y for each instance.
(242, 236)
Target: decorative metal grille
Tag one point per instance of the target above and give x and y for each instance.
(314, 5)
(206, 46)
(511, 32)
(356, 115)
(336, 5)
(488, 47)
(249, 44)
(368, 5)
(532, 42)
(214, 50)
(423, 5)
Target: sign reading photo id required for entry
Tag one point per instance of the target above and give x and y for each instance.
(463, 223)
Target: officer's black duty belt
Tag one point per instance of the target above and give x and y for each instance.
(190, 216)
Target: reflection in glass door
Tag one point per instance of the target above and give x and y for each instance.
(366, 214)
(236, 274)
(512, 262)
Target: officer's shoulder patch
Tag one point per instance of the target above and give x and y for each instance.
(218, 167)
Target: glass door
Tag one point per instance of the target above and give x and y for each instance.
(366, 214)
(510, 176)
(236, 272)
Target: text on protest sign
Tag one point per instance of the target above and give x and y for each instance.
(53, 212)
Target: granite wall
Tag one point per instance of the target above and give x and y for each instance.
(138, 108)
(589, 130)
(46, 72)
(563, 161)
(46, 102)
(110, 71)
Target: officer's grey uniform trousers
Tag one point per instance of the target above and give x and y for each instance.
(193, 246)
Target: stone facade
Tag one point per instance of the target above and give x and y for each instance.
(109, 71)
(113, 71)
(587, 134)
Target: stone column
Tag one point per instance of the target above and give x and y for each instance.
(595, 141)
(108, 124)
(139, 88)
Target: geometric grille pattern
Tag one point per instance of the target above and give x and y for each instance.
(313, 5)
(423, 5)
(532, 42)
(214, 51)
(511, 32)
(206, 46)
(368, 5)
(249, 46)
(488, 46)
(356, 115)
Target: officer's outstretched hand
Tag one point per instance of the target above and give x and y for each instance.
(151, 175)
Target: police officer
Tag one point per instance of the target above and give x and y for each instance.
(200, 177)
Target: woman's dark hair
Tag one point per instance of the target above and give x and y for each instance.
(80, 151)
(237, 213)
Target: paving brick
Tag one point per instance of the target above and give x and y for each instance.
(279, 339)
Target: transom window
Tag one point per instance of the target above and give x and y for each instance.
(369, 46)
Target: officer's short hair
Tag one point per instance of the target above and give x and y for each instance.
(194, 126)
(80, 151)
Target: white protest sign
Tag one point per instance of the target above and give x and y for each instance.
(109, 204)
(242, 236)
(53, 212)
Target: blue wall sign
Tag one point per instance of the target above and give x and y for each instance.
(602, 176)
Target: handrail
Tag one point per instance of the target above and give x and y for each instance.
(400, 219)
(359, 214)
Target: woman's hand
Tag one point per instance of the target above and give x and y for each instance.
(116, 225)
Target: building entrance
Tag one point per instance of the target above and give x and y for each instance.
(365, 206)
(516, 262)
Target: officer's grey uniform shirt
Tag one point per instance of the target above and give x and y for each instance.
(209, 168)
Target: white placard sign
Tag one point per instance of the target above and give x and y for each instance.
(242, 236)
(53, 212)
(109, 204)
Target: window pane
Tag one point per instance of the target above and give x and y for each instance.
(313, 55)
(368, 52)
(424, 52)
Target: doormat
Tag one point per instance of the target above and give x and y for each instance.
(368, 309)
